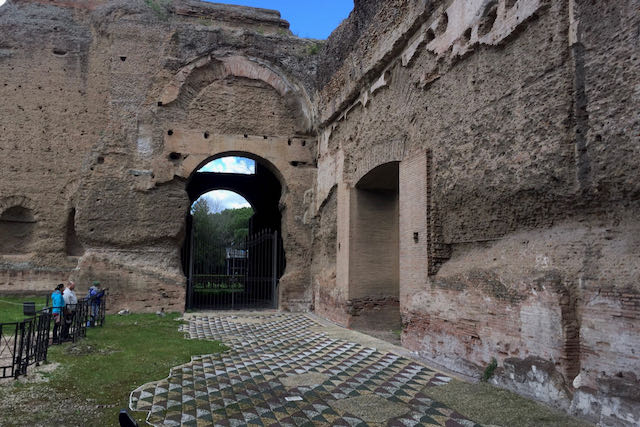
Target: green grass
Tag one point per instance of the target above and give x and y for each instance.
(217, 291)
(11, 307)
(490, 405)
(97, 374)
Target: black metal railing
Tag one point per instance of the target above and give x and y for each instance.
(25, 343)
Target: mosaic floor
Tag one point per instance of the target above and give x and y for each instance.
(282, 370)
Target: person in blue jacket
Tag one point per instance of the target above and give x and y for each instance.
(95, 299)
(57, 302)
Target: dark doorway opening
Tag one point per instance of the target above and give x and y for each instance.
(375, 262)
(238, 267)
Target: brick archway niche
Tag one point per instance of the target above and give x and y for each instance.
(374, 286)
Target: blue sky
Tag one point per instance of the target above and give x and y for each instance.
(309, 19)
(220, 200)
(230, 165)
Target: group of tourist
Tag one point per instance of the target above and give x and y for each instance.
(64, 303)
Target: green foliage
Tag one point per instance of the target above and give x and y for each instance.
(489, 370)
(313, 49)
(226, 229)
(229, 227)
(207, 284)
(159, 7)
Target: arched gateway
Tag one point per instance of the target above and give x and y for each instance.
(216, 106)
(239, 272)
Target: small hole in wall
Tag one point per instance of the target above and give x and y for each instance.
(170, 132)
(294, 164)
(488, 19)
(100, 160)
(304, 143)
(467, 35)
(265, 137)
(159, 103)
(443, 24)
(246, 136)
(430, 36)
(206, 135)
(123, 58)
(175, 156)
(59, 52)
(289, 142)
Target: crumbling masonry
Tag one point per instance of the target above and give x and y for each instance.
(467, 169)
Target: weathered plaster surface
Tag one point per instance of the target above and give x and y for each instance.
(89, 131)
(514, 123)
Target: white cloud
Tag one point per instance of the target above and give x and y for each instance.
(2, 2)
(220, 200)
(239, 165)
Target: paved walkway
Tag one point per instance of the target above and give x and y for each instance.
(292, 370)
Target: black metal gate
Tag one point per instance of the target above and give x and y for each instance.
(234, 277)
(23, 344)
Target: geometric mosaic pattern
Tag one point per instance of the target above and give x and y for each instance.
(242, 386)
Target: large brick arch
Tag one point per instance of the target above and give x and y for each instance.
(194, 77)
(377, 155)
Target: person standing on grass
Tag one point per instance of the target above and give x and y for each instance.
(57, 303)
(95, 299)
(71, 302)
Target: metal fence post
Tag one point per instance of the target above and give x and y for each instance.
(17, 355)
(274, 270)
(190, 278)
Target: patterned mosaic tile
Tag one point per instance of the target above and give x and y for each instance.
(243, 387)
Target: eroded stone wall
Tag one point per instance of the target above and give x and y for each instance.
(109, 106)
(514, 123)
(515, 129)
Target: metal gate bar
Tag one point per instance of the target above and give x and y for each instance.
(233, 277)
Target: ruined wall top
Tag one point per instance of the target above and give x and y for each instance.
(185, 10)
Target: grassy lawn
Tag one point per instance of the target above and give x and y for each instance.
(490, 405)
(11, 307)
(95, 376)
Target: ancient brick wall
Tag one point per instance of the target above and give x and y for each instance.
(109, 106)
(514, 123)
(517, 133)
